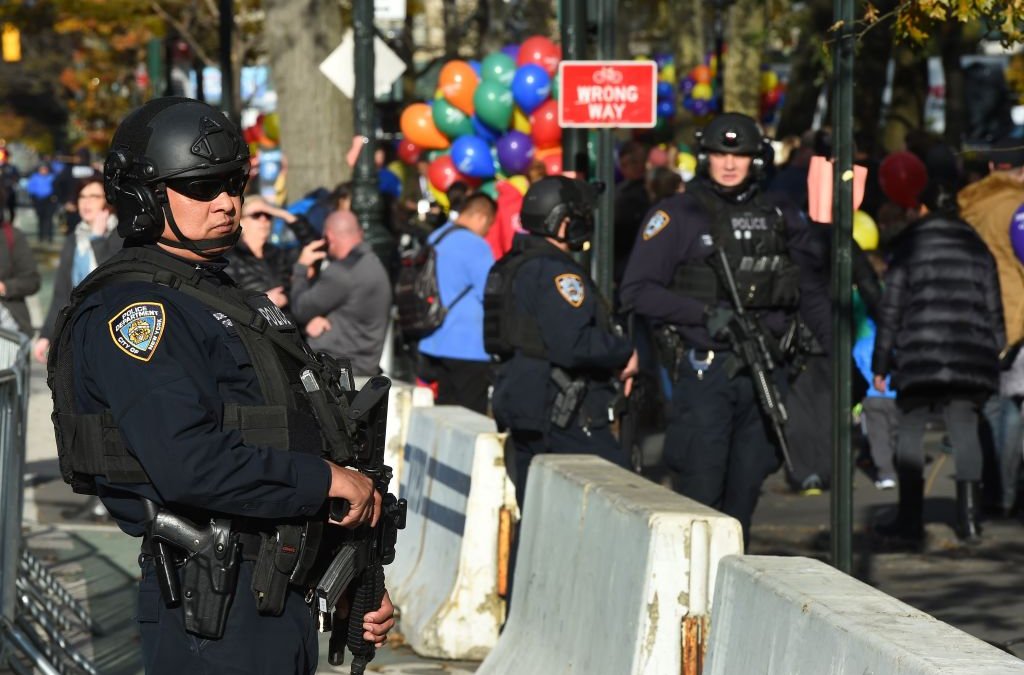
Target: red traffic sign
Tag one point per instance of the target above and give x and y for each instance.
(596, 94)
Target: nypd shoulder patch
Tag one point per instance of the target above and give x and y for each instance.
(655, 224)
(137, 329)
(571, 288)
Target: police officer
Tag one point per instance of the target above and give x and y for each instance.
(545, 321)
(174, 395)
(717, 441)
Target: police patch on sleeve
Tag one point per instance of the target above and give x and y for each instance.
(570, 287)
(137, 329)
(655, 224)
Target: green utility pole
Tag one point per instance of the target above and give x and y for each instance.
(601, 266)
(842, 237)
(366, 202)
(573, 14)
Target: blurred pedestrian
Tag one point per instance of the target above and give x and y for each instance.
(19, 276)
(631, 201)
(663, 183)
(40, 190)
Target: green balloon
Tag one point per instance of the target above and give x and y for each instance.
(490, 188)
(434, 154)
(498, 68)
(451, 121)
(554, 87)
(493, 104)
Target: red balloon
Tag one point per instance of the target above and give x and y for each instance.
(544, 126)
(409, 152)
(902, 177)
(553, 163)
(443, 174)
(542, 51)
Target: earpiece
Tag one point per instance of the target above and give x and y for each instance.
(139, 215)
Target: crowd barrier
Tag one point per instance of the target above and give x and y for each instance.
(614, 574)
(797, 616)
(451, 562)
(402, 398)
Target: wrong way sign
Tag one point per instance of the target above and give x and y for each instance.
(597, 94)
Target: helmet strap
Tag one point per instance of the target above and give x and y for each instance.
(200, 247)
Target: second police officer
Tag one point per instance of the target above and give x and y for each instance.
(175, 390)
(718, 442)
(546, 322)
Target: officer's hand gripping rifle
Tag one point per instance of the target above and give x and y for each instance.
(355, 425)
(750, 346)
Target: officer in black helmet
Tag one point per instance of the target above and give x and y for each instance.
(551, 331)
(175, 401)
(718, 443)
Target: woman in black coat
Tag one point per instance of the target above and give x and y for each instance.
(940, 332)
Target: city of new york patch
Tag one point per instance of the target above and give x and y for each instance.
(137, 329)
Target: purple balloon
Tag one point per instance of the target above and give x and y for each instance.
(1017, 233)
(515, 152)
(511, 50)
(662, 59)
(700, 107)
(686, 85)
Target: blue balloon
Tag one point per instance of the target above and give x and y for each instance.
(686, 85)
(662, 59)
(515, 152)
(475, 65)
(511, 50)
(388, 183)
(666, 108)
(665, 91)
(531, 86)
(483, 131)
(472, 156)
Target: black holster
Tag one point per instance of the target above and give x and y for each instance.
(279, 554)
(669, 350)
(568, 398)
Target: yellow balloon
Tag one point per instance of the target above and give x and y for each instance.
(713, 64)
(701, 92)
(865, 231)
(520, 183)
(668, 73)
(521, 121)
(272, 126)
(439, 196)
(687, 164)
(769, 80)
(398, 168)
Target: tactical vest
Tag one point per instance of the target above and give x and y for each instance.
(91, 445)
(753, 235)
(506, 327)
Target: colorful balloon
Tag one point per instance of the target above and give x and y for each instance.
(451, 121)
(520, 121)
(554, 86)
(500, 68)
(442, 173)
(531, 86)
(483, 131)
(686, 85)
(687, 165)
(701, 74)
(666, 108)
(472, 157)
(440, 197)
(493, 105)
(553, 162)
(665, 91)
(865, 231)
(542, 51)
(902, 177)
(662, 59)
(418, 126)
(476, 66)
(702, 92)
(458, 81)
(515, 152)
(489, 188)
(408, 151)
(520, 183)
(272, 126)
(668, 74)
(544, 126)
(512, 51)
(1017, 233)
(769, 80)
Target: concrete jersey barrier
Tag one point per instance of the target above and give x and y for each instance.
(402, 398)
(446, 576)
(614, 574)
(797, 616)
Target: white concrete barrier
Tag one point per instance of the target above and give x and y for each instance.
(797, 616)
(402, 398)
(446, 578)
(614, 574)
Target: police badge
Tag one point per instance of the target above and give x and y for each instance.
(137, 329)
(570, 287)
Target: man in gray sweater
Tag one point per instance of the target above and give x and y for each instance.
(341, 294)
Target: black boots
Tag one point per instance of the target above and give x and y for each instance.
(909, 522)
(968, 510)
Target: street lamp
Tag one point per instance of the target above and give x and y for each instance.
(719, 7)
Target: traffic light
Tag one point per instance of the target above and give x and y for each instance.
(11, 43)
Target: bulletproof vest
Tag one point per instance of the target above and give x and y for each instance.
(506, 327)
(753, 235)
(90, 445)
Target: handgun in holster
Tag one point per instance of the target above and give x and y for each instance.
(210, 571)
(568, 398)
(669, 349)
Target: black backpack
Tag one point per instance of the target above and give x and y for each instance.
(417, 293)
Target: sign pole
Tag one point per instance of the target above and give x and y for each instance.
(366, 202)
(574, 40)
(604, 239)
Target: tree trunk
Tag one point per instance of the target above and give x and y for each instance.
(316, 118)
(909, 87)
(744, 33)
(808, 74)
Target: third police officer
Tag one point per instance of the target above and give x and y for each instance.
(719, 442)
(544, 319)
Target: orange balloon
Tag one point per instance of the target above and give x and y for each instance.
(701, 74)
(458, 82)
(417, 125)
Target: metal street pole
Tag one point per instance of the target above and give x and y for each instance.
(601, 262)
(366, 202)
(574, 44)
(719, 30)
(842, 223)
(227, 79)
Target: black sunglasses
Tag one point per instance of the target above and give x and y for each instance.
(259, 214)
(207, 189)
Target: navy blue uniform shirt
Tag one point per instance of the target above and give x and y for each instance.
(678, 230)
(166, 384)
(566, 305)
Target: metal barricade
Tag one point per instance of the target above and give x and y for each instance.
(36, 611)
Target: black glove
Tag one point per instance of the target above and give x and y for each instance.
(717, 320)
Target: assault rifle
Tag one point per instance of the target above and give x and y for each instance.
(354, 425)
(750, 350)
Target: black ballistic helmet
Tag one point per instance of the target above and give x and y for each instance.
(550, 200)
(172, 140)
(732, 133)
